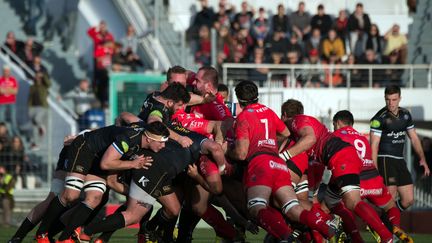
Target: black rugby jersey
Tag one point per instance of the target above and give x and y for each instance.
(125, 140)
(153, 107)
(392, 130)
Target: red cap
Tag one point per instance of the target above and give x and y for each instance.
(313, 52)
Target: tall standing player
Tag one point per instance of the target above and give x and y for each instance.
(388, 129)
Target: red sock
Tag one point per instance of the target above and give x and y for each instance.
(348, 222)
(215, 219)
(317, 237)
(315, 221)
(272, 221)
(368, 214)
(316, 208)
(394, 216)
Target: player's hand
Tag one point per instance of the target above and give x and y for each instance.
(192, 171)
(185, 142)
(68, 140)
(252, 227)
(209, 97)
(426, 167)
(142, 162)
(225, 146)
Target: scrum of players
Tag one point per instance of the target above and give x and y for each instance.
(288, 175)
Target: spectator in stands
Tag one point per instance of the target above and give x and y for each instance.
(8, 92)
(245, 43)
(258, 74)
(292, 57)
(38, 107)
(333, 44)
(321, 21)
(4, 134)
(103, 56)
(277, 44)
(314, 42)
(224, 43)
(17, 161)
(204, 17)
(313, 77)
(280, 21)
(354, 75)
(12, 44)
(370, 59)
(333, 76)
(300, 21)
(118, 60)
(7, 184)
(37, 66)
(294, 46)
(222, 17)
(202, 56)
(82, 97)
(358, 25)
(30, 50)
(130, 41)
(94, 117)
(260, 28)
(395, 41)
(391, 76)
(375, 41)
(100, 34)
(340, 24)
(360, 45)
(243, 19)
(3, 152)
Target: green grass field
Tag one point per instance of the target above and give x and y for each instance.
(200, 236)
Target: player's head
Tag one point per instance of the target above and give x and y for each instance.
(176, 96)
(176, 74)
(392, 96)
(342, 118)
(223, 90)
(290, 108)
(155, 135)
(246, 92)
(206, 80)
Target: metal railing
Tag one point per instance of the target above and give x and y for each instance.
(59, 110)
(331, 75)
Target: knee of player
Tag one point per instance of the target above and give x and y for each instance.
(93, 199)
(199, 209)
(173, 211)
(255, 205)
(408, 202)
(69, 196)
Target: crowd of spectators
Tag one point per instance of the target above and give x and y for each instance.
(247, 36)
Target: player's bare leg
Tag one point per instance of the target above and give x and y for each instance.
(406, 195)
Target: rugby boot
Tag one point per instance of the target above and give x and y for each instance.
(15, 240)
(404, 237)
(42, 238)
(374, 234)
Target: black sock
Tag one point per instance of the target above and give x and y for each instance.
(78, 218)
(187, 223)
(400, 206)
(156, 220)
(25, 227)
(168, 229)
(144, 220)
(106, 236)
(111, 223)
(55, 228)
(54, 210)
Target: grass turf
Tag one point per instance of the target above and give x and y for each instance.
(200, 236)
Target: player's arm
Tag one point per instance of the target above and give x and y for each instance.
(375, 139)
(193, 173)
(117, 186)
(240, 150)
(419, 150)
(126, 118)
(111, 160)
(215, 149)
(306, 141)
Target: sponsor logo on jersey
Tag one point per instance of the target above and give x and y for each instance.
(143, 180)
(250, 110)
(277, 166)
(396, 135)
(125, 146)
(371, 192)
(375, 124)
(262, 109)
(267, 142)
(406, 117)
